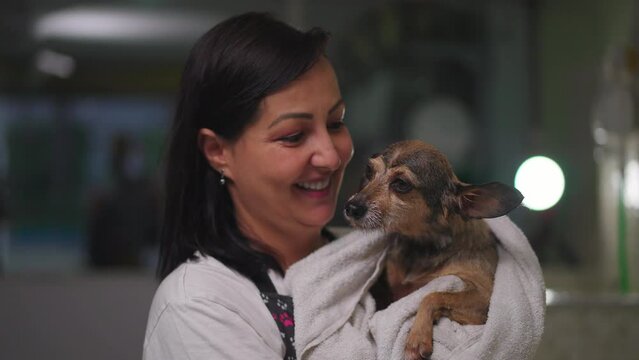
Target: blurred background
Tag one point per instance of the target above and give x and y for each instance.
(87, 93)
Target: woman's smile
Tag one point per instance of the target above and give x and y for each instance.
(318, 189)
(315, 185)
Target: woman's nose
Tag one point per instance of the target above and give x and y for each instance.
(326, 154)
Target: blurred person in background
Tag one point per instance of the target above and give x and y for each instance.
(123, 220)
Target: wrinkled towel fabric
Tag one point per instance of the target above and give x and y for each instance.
(335, 316)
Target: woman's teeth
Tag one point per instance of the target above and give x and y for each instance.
(320, 185)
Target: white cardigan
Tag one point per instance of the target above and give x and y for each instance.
(204, 310)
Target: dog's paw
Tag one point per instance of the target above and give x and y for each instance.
(417, 349)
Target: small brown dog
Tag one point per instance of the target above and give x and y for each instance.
(431, 221)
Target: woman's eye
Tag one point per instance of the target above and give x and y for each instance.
(336, 125)
(294, 138)
(401, 186)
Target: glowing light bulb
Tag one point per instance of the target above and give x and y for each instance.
(631, 190)
(541, 181)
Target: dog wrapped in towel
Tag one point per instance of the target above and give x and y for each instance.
(336, 317)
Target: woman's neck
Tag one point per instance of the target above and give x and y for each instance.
(286, 246)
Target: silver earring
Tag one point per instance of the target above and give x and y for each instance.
(222, 178)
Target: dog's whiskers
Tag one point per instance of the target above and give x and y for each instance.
(373, 217)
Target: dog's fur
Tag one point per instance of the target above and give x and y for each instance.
(431, 220)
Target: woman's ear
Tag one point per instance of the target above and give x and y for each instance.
(214, 148)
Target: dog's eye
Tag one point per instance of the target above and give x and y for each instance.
(369, 172)
(401, 186)
(362, 183)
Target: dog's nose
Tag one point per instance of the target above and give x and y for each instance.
(355, 210)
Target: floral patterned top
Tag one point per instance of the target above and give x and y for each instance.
(281, 308)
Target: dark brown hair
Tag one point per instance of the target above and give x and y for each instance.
(229, 71)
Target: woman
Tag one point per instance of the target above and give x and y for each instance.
(255, 164)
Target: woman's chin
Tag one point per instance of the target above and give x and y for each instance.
(319, 219)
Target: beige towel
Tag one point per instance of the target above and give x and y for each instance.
(335, 316)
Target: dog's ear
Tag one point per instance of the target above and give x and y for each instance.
(488, 200)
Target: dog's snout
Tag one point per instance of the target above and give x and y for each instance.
(355, 210)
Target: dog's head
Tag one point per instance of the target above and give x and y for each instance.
(411, 186)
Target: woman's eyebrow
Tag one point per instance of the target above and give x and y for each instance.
(339, 103)
(297, 115)
(303, 115)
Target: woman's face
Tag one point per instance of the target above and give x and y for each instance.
(287, 166)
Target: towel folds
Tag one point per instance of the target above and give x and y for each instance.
(335, 316)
